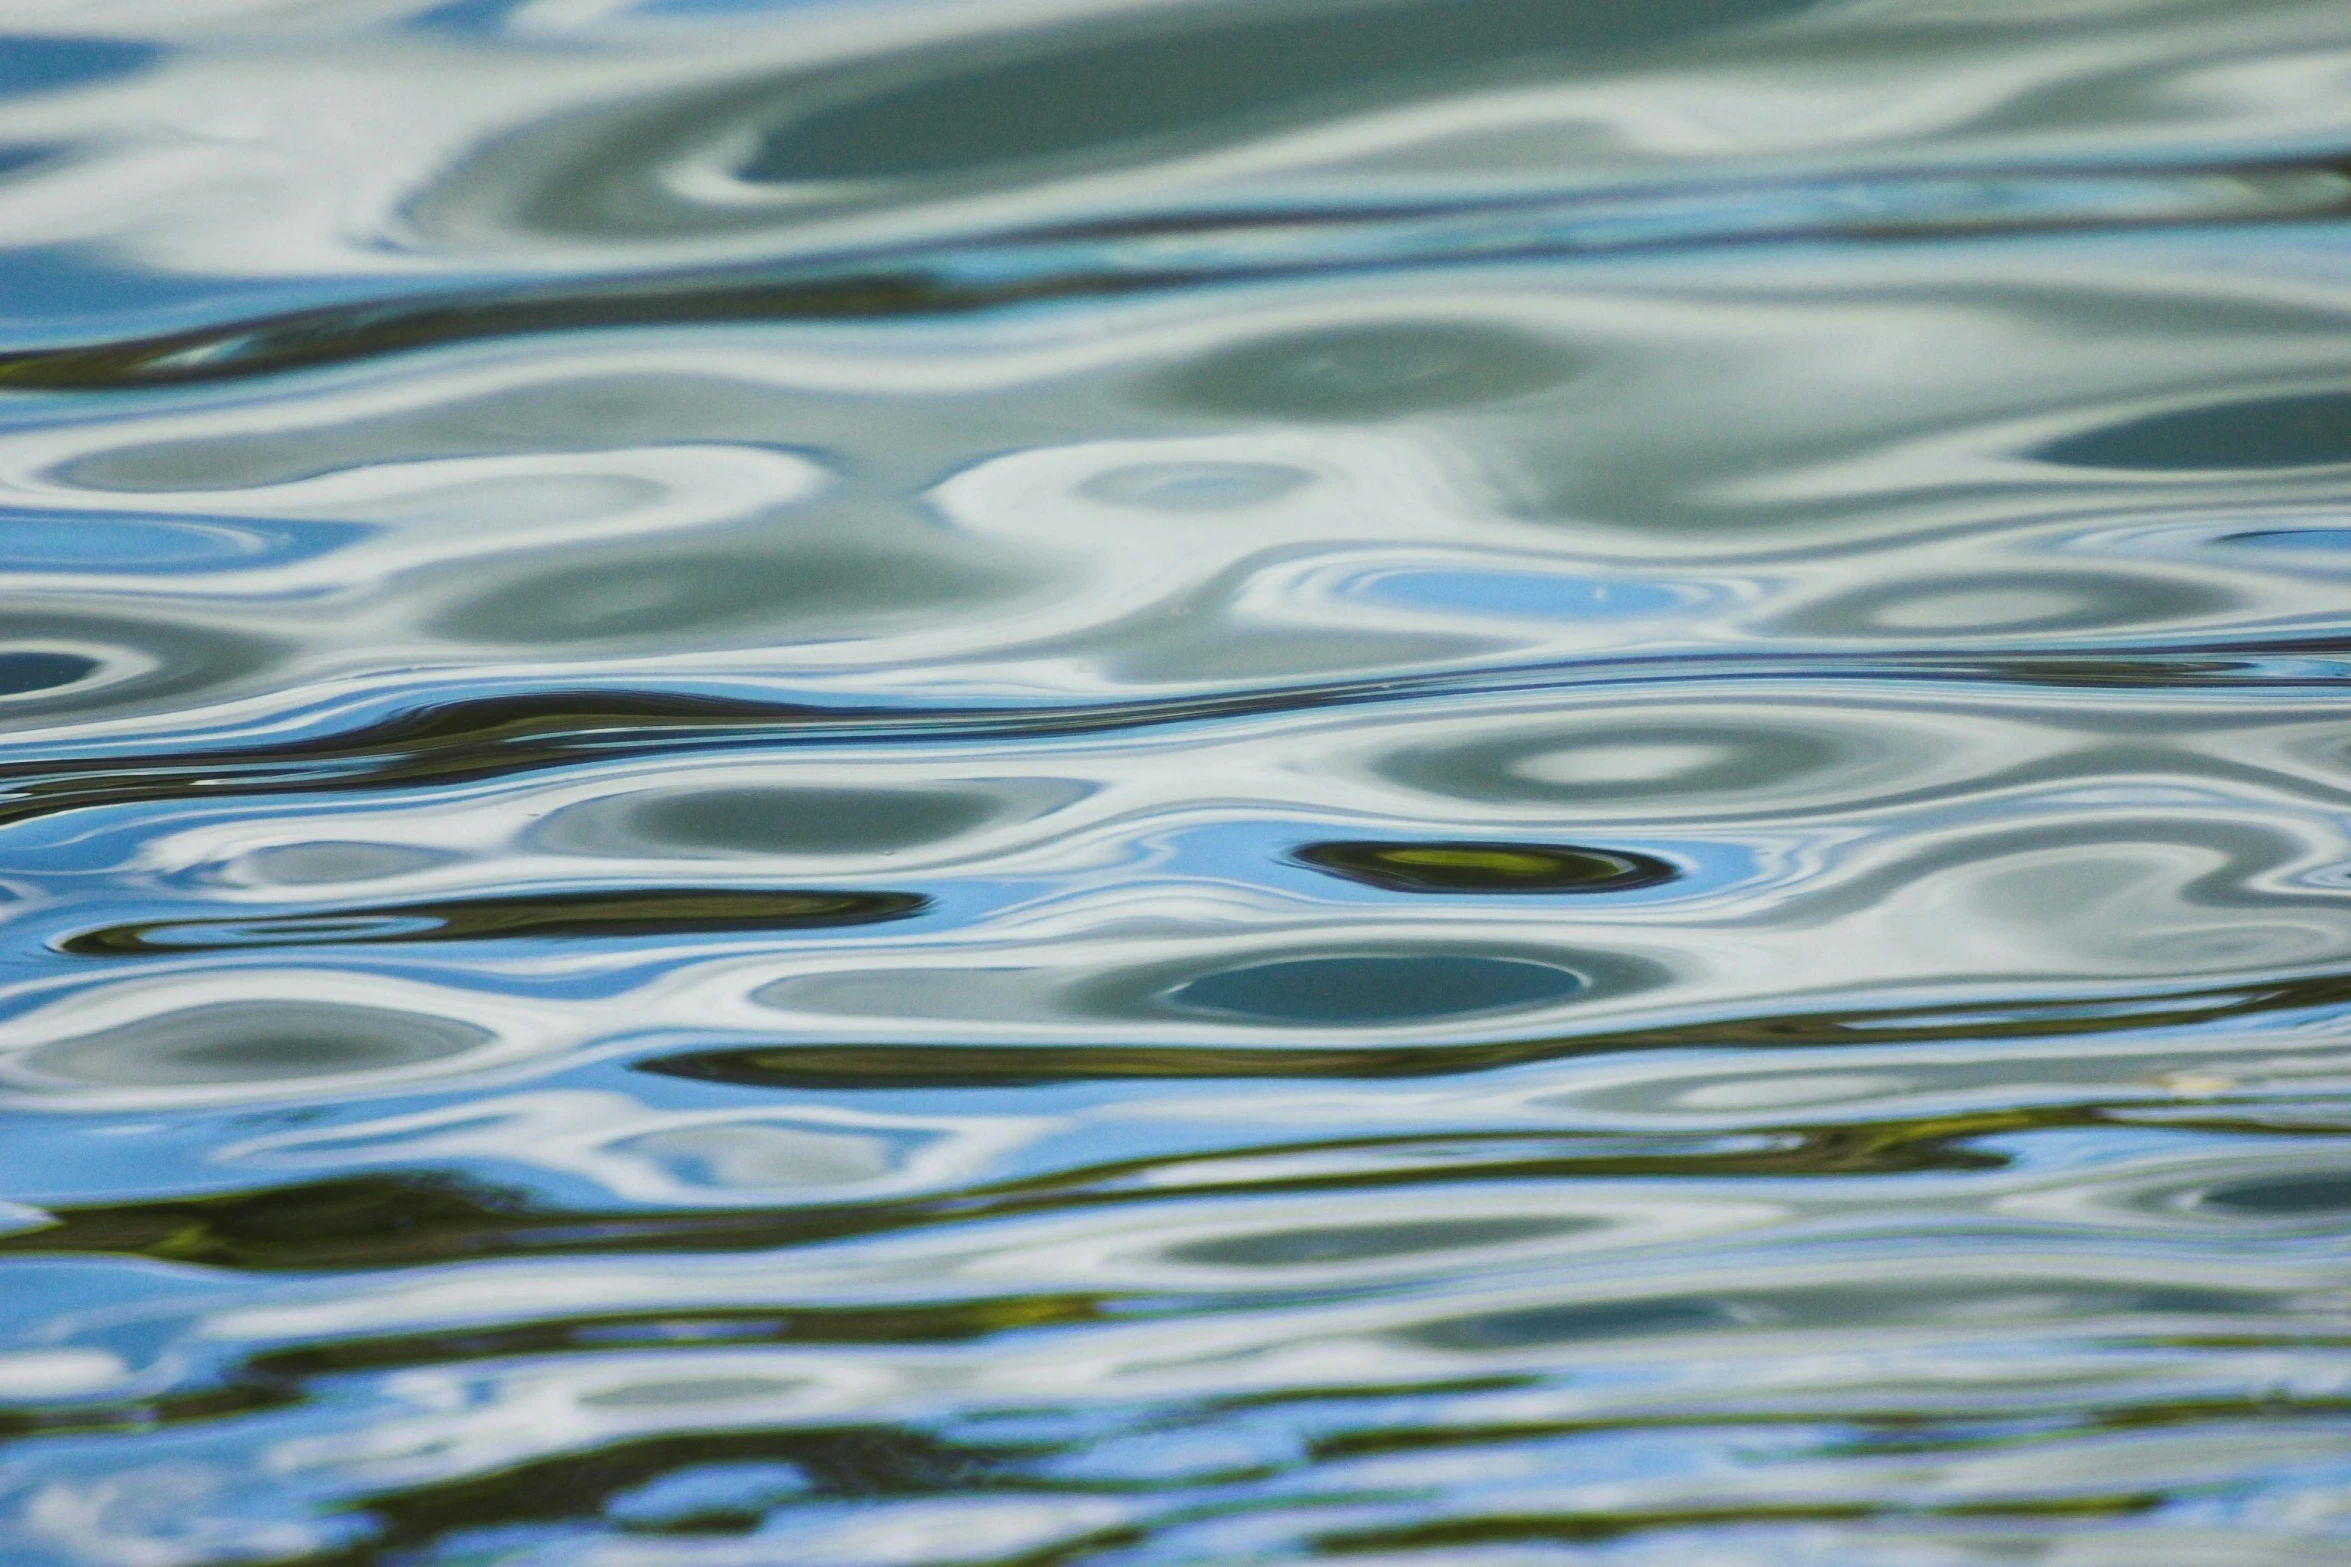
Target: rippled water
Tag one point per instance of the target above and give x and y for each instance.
(1098, 783)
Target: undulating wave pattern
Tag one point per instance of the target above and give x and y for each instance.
(1175, 783)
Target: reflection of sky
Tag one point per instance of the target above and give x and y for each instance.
(1524, 595)
(73, 293)
(2313, 541)
(131, 543)
(37, 64)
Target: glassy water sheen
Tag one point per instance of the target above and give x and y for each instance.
(1175, 783)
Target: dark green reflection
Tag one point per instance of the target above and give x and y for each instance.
(1088, 92)
(783, 820)
(628, 912)
(858, 1461)
(1486, 867)
(2308, 430)
(624, 1332)
(1521, 1528)
(392, 1221)
(2286, 1196)
(1020, 1066)
(445, 742)
(1386, 988)
(768, 819)
(415, 1219)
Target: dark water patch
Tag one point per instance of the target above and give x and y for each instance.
(1567, 1528)
(2314, 1195)
(755, 819)
(33, 669)
(397, 1221)
(642, 911)
(250, 1393)
(408, 1220)
(414, 1220)
(937, 1322)
(464, 740)
(1383, 988)
(838, 1461)
(1026, 103)
(63, 664)
(17, 158)
(1079, 93)
(56, 62)
(2304, 430)
(252, 1042)
(1478, 867)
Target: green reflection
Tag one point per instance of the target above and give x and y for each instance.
(642, 911)
(1467, 867)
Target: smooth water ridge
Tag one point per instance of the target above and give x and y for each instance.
(1175, 783)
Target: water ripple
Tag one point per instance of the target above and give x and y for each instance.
(1033, 783)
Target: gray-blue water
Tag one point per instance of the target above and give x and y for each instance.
(1175, 783)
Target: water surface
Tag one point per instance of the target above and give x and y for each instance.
(1175, 783)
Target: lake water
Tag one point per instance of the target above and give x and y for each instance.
(1175, 783)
